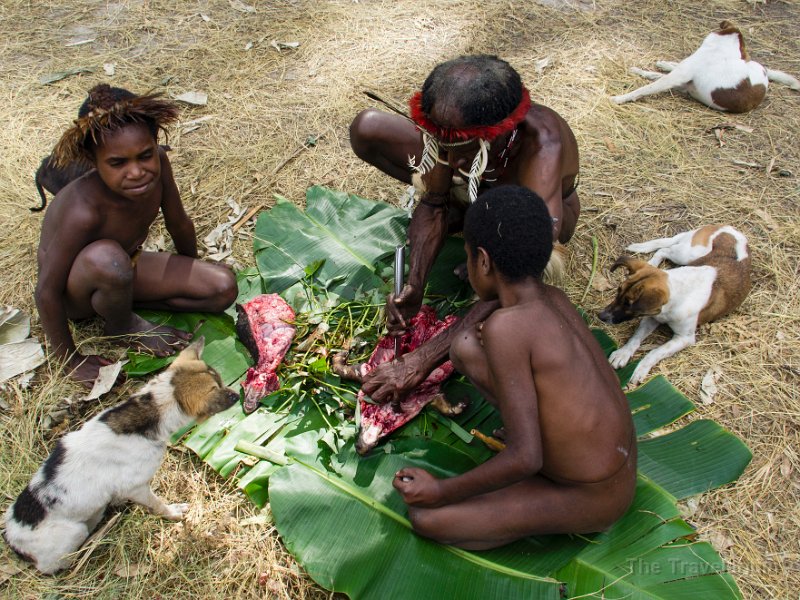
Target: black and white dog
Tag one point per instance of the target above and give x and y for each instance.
(111, 459)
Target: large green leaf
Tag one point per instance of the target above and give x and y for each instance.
(338, 512)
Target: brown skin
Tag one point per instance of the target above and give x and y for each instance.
(543, 158)
(570, 460)
(89, 236)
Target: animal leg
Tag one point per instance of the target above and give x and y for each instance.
(666, 65)
(676, 344)
(144, 495)
(67, 537)
(646, 74)
(676, 79)
(440, 403)
(619, 358)
(784, 78)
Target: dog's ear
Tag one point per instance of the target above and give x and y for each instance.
(192, 352)
(630, 263)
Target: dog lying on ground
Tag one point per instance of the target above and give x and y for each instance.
(714, 281)
(719, 74)
(111, 459)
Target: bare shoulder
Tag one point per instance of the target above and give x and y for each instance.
(80, 203)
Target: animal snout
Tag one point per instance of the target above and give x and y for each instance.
(231, 396)
(608, 315)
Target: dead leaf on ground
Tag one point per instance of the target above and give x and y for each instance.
(601, 283)
(109, 69)
(106, 378)
(541, 64)
(241, 6)
(708, 387)
(786, 467)
(9, 569)
(15, 325)
(284, 45)
(612, 147)
(193, 98)
(767, 218)
(719, 540)
(53, 77)
(20, 357)
(129, 571)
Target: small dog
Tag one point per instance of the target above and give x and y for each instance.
(111, 459)
(715, 281)
(719, 74)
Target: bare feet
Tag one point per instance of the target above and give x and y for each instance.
(147, 337)
(84, 369)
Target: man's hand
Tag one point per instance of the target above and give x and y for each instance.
(438, 180)
(84, 369)
(401, 309)
(418, 487)
(392, 381)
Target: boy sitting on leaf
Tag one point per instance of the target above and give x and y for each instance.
(569, 465)
(90, 254)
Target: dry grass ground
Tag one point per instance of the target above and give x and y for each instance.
(648, 169)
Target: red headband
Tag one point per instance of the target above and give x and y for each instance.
(484, 132)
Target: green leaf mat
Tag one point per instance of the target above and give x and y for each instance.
(338, 513)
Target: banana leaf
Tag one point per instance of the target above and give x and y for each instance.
(338, 513)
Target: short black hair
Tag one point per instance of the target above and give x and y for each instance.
(485, 88)
(513, 225)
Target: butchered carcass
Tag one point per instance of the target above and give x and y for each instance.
(379, 420)
(264, 326)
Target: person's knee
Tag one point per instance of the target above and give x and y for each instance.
(222, 289)
(424, 522)
(365, 131)
(105, 262)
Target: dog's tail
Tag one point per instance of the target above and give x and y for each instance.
(556, 267)
(784, 78)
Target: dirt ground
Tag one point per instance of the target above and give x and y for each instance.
(649, 169)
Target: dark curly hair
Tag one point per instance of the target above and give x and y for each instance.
(514, 226)
(107, 109)
(485, 88)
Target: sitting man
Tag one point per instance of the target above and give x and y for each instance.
(569, 465)
(474, 127)
(90, 254)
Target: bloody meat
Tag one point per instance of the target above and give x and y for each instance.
(264, 326)
(379, 420)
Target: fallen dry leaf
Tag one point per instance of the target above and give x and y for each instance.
(53, 77)
(109, 69)
(601, 283)
(106, 378)
(719, 540)
(19, 357)
(767, 218)
(9, 569)
(129, 571)
(786, 467)
(193, 98)
(241, 6)
(708, 387)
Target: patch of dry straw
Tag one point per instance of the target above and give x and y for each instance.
(649, 169)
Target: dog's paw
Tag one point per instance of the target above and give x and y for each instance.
(639, 374)
(175, 512)
(639, 248)
(619, 358)
(618, 99)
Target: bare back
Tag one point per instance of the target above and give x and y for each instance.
(584, 419)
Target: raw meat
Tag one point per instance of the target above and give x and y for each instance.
(264, 326)
(379, 420)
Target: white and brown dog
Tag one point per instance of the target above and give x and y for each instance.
(714, 281)
(111, 459)
(719, 74)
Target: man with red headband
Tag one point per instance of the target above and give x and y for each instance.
(474, 127)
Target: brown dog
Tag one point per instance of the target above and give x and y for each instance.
(714, 281)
